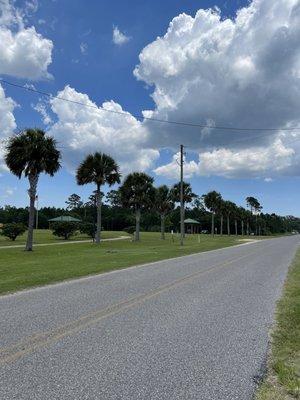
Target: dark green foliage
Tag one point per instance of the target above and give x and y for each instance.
(188, 195)
(64, 229)
(13, 230)
(88, 228)
(137, 191)
(74, 202)
(100, 169)
(31, 153)
(129, 229)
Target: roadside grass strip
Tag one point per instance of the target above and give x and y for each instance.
(283, 378)
(49, 264)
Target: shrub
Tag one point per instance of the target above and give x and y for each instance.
(13, 230)
(154, 228)
(64, 229)
(129, 229)
(89, 229)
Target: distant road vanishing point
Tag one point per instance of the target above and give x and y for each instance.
(194, 327)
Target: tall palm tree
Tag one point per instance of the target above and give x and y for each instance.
(255, 207)
(242, 215)
(229, 211)
(164, 203)
(31, 153)
(212, 200)
(188, 195)
(137, 193)
(221, 211)
(100, 169)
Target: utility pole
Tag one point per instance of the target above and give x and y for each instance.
(181, 197)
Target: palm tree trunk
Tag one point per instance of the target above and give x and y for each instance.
(213, 224)
(137, 224)
(256, 224)
(248, 231)
(99, 205)
(242, 227)
(162, 227)
(221, 225)
(33, 181)
(236, 228)
(228, 225)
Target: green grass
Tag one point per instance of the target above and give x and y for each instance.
(283, 378)
(46, 236)
(20, 269)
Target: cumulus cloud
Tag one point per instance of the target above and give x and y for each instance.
(275, 159)
(24, 52)
(41, 108)
(81, 130)
(241, 72)
(7, 123)
(119, 37)
(172, 170)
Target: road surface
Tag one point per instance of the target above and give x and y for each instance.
(195, 327)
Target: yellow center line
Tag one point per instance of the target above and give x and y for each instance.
(28, 345)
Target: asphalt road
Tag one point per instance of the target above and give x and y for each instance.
(195, 327)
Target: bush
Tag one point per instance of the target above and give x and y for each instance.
(64, 229)
(88, 229)
(13, 230)
(130, 230)
(155, 228)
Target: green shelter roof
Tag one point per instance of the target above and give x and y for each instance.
(191, 221)
(64, 218)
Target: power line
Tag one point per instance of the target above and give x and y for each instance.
(140, 117)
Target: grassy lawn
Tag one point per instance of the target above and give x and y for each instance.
(283, 378)
(19, 269)
(46, 236)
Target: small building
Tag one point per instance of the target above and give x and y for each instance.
(191, 226)
(64, 218)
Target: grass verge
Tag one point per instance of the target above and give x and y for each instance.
(20, 269)
(283, 378)
(43, 236)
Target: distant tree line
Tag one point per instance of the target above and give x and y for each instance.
(117, 217)
(136, 205)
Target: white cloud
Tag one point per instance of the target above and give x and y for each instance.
(277, 159)
(228, 72)
(172, 170)
(81, 130)
(119, 38)
(83, 48)
(41, 108)
(24, 53)
(7, 123)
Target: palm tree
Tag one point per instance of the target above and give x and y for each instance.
(31, 153)
(212, 200)
(255, 206)
(137, 193)
(242, 214)
(164, 203)
(221, 212)
(188, 195)
(229, 211)
(100, 169)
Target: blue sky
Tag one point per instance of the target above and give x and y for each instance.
(85, 57)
